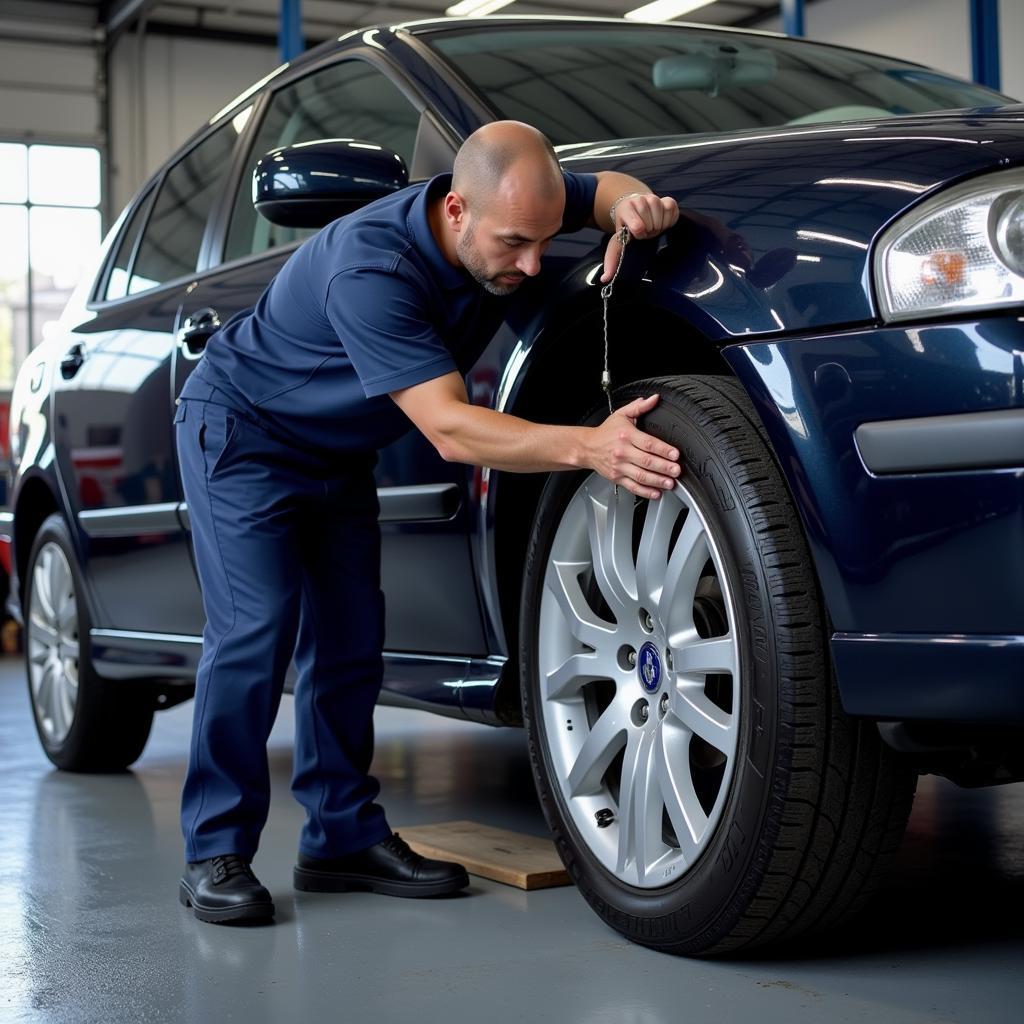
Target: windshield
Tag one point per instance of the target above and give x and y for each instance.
(584, 83)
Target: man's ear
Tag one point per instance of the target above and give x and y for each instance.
(455, 211)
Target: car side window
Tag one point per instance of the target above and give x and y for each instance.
(350, 100)
(174, 232)
(117, 281)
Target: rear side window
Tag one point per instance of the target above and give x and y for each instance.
(351, 100)
(174, 233)
(117, 282)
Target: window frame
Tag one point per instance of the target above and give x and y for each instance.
(145, 198)
(148, 194)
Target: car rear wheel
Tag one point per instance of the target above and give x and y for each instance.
(85, 723)
(704, 787)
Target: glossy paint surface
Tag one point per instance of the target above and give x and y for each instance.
(921, 555)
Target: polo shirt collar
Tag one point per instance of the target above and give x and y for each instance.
(419, 227)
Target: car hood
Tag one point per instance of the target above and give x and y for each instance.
(795, 210)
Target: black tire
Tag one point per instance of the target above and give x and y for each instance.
(816, 804)
(109, 721)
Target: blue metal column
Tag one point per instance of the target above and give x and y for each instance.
(985, 42)
(289, 38)
(793, 17)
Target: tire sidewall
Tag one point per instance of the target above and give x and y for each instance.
(715, 891)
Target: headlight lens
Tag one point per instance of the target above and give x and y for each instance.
(961, 250)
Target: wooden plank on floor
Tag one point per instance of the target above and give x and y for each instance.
(495, 853)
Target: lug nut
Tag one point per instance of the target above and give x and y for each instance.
(631, 658)
(663, 705)
(668, 660)
(645, 712)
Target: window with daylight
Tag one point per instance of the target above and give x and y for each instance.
(50, 231)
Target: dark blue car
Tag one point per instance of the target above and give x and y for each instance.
(728, 693)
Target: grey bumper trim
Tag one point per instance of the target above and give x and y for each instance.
(935, 444)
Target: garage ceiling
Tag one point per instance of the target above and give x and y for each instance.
(257, 20)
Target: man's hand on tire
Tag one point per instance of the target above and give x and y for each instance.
(628, 457)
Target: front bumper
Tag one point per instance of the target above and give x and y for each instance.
(921, 559)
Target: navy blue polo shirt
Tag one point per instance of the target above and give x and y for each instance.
(366, 306)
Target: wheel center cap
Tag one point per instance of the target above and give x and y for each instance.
(648, 667)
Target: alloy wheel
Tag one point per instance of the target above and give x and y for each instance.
(52, 639)
(639, 678)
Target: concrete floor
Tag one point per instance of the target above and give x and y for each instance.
(91, 929)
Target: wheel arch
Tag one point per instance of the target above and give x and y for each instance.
(36, 501)
(558, 380)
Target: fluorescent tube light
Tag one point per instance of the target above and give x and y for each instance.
(665, 10)
(475, 8)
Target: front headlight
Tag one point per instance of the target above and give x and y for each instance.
(961, 250)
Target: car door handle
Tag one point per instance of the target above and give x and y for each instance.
(196, 331)
(72, 361)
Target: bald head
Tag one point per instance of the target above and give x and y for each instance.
(506, 156)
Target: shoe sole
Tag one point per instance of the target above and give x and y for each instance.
(308, 880)
(225, 915)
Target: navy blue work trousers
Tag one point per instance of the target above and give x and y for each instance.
(287, 548)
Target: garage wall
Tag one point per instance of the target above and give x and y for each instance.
(161, 95)
(48, 92)
(933, 32)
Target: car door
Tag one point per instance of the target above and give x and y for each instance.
(112, 405)
(427, 566)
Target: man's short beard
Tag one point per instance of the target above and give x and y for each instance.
(471, 259)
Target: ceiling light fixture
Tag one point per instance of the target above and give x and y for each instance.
(475, 8)
(665, 10)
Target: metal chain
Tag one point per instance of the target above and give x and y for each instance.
(606, 294)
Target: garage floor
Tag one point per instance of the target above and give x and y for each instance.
(91, 929)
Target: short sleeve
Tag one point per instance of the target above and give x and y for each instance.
(381, 321)
(579, 200)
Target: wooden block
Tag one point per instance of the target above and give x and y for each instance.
(495, 853)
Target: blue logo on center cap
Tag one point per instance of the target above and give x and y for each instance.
(648, 667)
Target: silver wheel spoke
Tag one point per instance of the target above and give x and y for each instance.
(606, 738)
(610, 529)
(701, 657)
(690, 705)
(576, 671)
(43, 632)
(38, 652)
(41, 690)
(41, 584)
(563, 582)
(639, 809)
(64, 702)
(71, 649)
(684, 810)
(653, 554)
(684, 567)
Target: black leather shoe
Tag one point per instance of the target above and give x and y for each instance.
(390, 867)
(224, 889)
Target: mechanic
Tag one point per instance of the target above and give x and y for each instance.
(365, 331)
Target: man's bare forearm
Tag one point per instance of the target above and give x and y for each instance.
(483, 437)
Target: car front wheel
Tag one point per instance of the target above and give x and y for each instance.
(85, 723)
(704, 787)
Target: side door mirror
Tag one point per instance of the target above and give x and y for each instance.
(310, 184)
